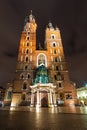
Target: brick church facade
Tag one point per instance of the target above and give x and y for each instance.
(41, 77)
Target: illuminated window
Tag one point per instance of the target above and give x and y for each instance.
(41, 59)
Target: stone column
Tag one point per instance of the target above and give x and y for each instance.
(54, 99)
(51, 102)
(38, 99)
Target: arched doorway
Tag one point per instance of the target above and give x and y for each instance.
(44, 99)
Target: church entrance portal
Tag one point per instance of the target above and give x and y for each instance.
(44, 99)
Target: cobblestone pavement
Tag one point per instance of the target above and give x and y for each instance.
(66, 118)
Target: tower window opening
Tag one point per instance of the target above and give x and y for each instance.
(55, 77)
(28, 76)
(26, 67)
(27, 51)
(55, 59)
(61, 96)
(54, 44)
(26, 59)
(59, 85)
(27, 43)
(41, 59)
(52, 36)
(28, 32)
(28, 38)
(24, 85)
(57, 68)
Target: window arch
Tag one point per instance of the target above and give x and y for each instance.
(28, 76)
(27, 44)
(27, 51)
(41, 59)
(28, 38)
(26, 59)
(21, 76)
(24, 85)
(52, 36)
(54, 44)
(26, 67)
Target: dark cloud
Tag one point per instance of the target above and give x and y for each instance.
(71, 18)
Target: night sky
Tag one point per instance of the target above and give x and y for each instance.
(69, 15)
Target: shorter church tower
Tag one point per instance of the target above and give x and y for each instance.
(41, 77)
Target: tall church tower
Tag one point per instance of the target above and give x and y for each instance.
(24, 70)
(41, 77)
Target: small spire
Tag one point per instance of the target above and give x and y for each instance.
(31, 12)
(50, 25)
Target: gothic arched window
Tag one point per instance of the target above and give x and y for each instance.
(27, 51)
(41, 59)
(26, 59)
(24, 85)
(21, 76)
(26, 67)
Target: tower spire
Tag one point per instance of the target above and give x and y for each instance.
(31, 12)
